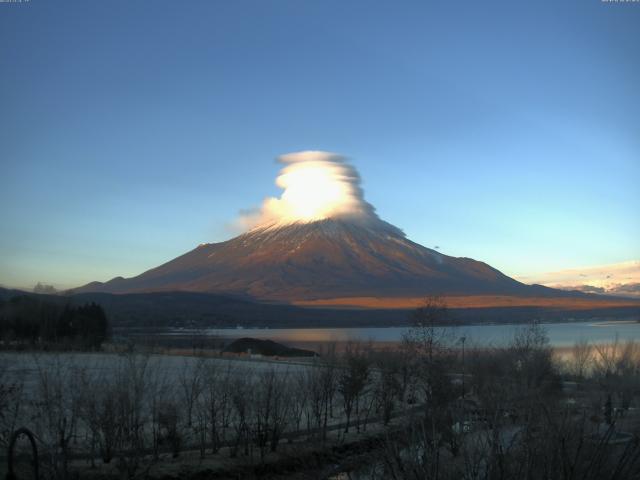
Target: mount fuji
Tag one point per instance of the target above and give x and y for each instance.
(319, 260)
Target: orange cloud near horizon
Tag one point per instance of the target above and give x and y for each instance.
(621, 279)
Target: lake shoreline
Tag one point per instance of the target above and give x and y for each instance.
(564, 334)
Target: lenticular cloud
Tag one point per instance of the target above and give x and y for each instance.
(316, 186)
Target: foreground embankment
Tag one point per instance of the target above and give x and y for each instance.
(425, 405)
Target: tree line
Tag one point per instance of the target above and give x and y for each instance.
(36, 322)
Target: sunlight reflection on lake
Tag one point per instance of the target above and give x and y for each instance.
(560, 334)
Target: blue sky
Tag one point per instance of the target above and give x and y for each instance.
(131, 131)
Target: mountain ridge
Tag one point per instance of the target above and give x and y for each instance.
(330, 258)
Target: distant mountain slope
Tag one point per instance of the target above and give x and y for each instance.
(7, 293)
(320, 260)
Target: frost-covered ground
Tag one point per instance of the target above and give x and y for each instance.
(27, 368)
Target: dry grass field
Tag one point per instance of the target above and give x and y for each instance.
(476, 301)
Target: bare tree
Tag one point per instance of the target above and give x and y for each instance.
(533, 357)
(190, 380)
(387, 385)
(216, 403)
(428, 335)
(617, 369)
(169, 426)
(160, 392)
(352, 379)
(581, 358)
(242, 401)
(299, 399)
(270, 409)
(131, 383)
(55, 409)
(11, 401)
(88, 412)
(322, 387)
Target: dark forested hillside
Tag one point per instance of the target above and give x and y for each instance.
(41, 320)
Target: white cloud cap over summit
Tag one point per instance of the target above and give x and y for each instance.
(316, 185)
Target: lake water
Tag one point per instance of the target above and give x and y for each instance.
(560, 334)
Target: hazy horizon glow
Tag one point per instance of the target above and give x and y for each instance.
(130, 133)
(616, 279)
